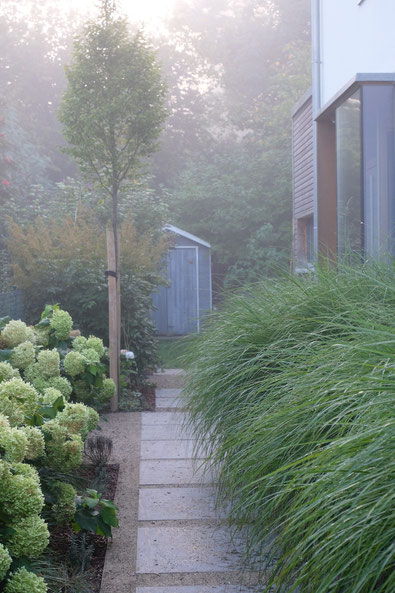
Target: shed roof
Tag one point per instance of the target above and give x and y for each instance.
(177, 231)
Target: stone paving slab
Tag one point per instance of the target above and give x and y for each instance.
(165, 504)
(180, 549)
(168, 402)
(156, 418)
(171, 378)
(174, 393)
(175, 449)
(174, 471)
(195, 589)
(164, 432)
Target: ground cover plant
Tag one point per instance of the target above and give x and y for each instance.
(44, 421)
(291, 387)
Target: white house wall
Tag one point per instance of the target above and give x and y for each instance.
(356, 37)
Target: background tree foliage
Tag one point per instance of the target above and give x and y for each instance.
(233, 68)
(233, 187)
(63, 260)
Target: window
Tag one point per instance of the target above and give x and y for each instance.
(349, 172)
(365, 162)
(305, 241)
(378, 125)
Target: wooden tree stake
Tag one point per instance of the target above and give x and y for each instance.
(114, 316)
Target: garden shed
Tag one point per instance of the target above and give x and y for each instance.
(180, 305)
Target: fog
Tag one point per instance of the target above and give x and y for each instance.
(233, 69)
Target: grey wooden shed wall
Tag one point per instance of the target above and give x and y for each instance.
(180, 306)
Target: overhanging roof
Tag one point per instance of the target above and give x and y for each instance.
(177, 231)
(351, 87)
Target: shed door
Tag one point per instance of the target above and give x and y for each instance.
(182, 295)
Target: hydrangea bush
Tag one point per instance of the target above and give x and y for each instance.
(48, 380)
(52, 354)
(22, 581)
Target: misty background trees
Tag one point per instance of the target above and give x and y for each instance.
(233, 68)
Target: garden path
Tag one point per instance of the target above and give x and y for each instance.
(170, 539)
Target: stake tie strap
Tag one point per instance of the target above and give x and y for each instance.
(111, 273)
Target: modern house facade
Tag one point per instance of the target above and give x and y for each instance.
(344, 134)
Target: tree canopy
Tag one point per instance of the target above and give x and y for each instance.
(113, 108)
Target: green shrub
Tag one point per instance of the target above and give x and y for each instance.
(35, 442)
(39, 426)
(48, 362)
(68, 266)
(290, 388)
(21, 494)
(50, 395)
(16, 332)
(13, 442)
(18, 400)
(7, 372)
(29, 538)
(78, 358)
(5, 561)
(23, 355)
(62, 385)
(64, 508)
(78, 419)
(75, 363)
(62, 324)
(63, 450)
(96, 344)
(23, 581)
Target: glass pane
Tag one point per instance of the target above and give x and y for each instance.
(349, 187)
(379, 168)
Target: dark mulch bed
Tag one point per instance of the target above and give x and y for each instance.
(61, 536)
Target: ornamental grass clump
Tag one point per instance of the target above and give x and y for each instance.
(291, 389)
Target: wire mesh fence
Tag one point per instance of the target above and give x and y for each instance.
(12, 303)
